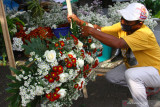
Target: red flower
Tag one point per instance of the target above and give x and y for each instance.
(51, 80)
(61, 53)
(56, 44)
(57, 78)
(75, 41)
(55, 68)
(70, 55)
(69, 65)
(94, 51)
(48, 95)
(57, 89)
(74, 64)
(56, 96)
(62, 43)
(84, 75)
(82, 54)
(87, 66)
(89, 70)
(73, 60)
(95, 64)
(47, 76)
(82, 50)
(66, 59)
(89, 53)
(76, 86)
(60, 72)
(89, 40)
(60, 68)
(53, 74)
(52, 99)
(100, 54)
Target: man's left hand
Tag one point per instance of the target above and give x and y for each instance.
(85, 30)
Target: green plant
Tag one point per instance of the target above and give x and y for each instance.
(35, 7)
(153, 5)
(157, 15)
(12, 30)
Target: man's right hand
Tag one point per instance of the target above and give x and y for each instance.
(74, 17)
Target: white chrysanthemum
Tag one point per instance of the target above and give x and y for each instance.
(17, 44)
(30, 59)
(89, 59)
(50, 55)
(63, 77)
(93, 46)
(32, 53)
(43, 66)
(80, 44)
(39, 90)
(80, 62)
(55, 63)
(62, 93)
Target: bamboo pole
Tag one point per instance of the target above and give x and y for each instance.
(7, 37)
(69, 8)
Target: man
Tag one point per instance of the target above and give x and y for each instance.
(135, 39)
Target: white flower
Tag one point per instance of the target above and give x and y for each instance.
(50, 55)
(72, 53)
(17, 44)
(54, 26)
(63, 77)
(39, 90)
(55, 63)
(80, 44)
(62, 93)
(30, 59)
(93, 46)
(32, 53)
(80, 62)
(89, 59)
(81, 80)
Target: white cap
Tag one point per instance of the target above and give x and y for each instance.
(134, 11)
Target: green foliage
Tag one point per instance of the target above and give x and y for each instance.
(35, 7)
(36, 44)
(153, 5)
(157, 15)
(12, 30)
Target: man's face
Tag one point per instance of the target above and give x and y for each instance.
(129, 25)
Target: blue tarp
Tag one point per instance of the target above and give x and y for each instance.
(10, 4)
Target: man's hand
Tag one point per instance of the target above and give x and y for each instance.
(85, 30)
(74, 17)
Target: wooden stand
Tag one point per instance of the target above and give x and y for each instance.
(7, 37)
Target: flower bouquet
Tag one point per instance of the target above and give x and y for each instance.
(56, 71)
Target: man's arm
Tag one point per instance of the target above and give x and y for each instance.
(105, 38)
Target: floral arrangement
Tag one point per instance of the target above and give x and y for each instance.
(56, 71)
(114, 17)
(93, 14)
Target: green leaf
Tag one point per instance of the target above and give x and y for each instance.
(12, 78)
(11, 90)
(37, 45)
(16, 71)
(12, 98)
(14, 85)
